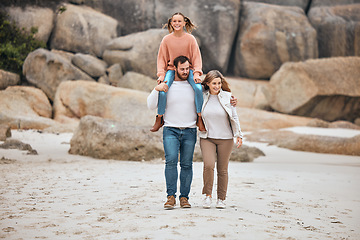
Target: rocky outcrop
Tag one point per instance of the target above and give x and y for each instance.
(16, 144)
(338, 29)
(82, 30)
(25, 108)
(76, 99)
(271, 35)
(136, 52)
(46, 70)
(308, 143)
(33, 18)
(109, 139)
(8, 79)
(91, 65)
(322, 88)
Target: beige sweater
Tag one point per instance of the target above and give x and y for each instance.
(171, 47)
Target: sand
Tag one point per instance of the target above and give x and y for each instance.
(284, 195)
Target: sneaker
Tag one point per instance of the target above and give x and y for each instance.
(220, 204)
(170, 203)
(207, 202)
(184, 203)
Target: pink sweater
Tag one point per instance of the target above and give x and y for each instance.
(172, 47)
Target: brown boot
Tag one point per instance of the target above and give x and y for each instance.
(159, 122)
(184, 202)
(170, 203)
(200, 124)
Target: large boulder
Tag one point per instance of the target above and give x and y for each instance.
(217, 22)
(308, 142)
(89, 64)
(303, 4)
(249, 92)
(270, 35)
(321, 88)
(338, 29)
(33, 18)
(109, 139)
(24, 108)
(8, 79)
(137, 81)
(76, 99)
(136, 52)
(47, 70)
(82, 29)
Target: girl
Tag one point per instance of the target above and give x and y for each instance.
(179, 43)
(222, 125)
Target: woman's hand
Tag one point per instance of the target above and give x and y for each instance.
(238, 142)
(162, 87)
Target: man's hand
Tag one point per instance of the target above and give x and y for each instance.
(162, 87)
(238, 142)
(233, 101)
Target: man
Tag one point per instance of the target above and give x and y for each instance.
(179, 133)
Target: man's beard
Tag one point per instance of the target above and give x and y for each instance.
(182, 77)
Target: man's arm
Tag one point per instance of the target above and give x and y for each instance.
(233, 101)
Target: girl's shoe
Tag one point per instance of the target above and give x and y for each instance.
(207, 202)
(159, 122)
(220, 204)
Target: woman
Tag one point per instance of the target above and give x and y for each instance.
(222, 126)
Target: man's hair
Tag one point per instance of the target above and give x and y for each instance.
(181, 59)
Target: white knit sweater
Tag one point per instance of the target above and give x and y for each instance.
(180, 108)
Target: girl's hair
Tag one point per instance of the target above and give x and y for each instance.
(211, 76)
(188, 24)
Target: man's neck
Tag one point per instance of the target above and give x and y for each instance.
(178, 79)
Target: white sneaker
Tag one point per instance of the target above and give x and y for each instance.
(220, 204)
(207, 202)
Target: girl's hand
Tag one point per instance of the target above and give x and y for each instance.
(238, 142)
(160, 80)
(197, 80)
(162, 87)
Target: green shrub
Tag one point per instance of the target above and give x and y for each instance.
(15, 45)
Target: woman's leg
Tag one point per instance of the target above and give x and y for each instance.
(224, 148)
(169, 79)
(208, 152)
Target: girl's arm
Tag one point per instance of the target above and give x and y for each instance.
(162, 61)
(196, 60)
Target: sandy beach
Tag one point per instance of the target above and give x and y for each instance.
(283, 195)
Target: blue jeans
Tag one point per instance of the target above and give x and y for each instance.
(169, 77)
(177, 141)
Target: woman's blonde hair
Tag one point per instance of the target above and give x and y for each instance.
(188, 24)
(211, 76)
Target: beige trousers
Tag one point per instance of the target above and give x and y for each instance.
(219, 151)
